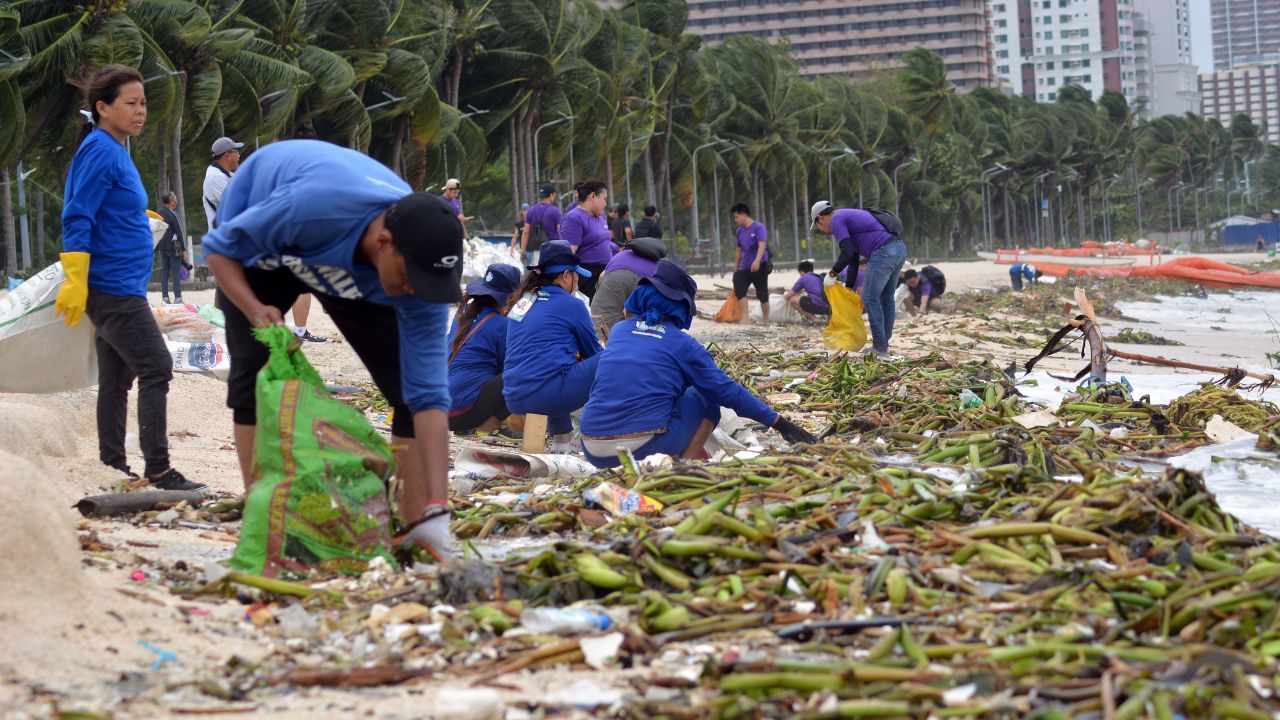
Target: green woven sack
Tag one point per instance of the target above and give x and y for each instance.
(320, 501)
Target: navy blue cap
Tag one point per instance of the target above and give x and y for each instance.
(557, 256)
(499, 281)
(675, 284)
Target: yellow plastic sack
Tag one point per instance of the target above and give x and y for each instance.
(845, 330)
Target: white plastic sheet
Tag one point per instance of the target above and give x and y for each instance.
(501, 462)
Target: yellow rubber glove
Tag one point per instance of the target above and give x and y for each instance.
(75, 289)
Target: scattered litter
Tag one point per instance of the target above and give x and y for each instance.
(162, 656)
(600, 651)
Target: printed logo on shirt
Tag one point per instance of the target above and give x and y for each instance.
(324, 279)
(642, 325)
(383, 183)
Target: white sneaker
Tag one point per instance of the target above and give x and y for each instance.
(433, 534)
(565, 444)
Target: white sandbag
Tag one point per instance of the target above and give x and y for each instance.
(779, 309)
(38, 352)
(207, 358)
(498, 462)
(479, 254)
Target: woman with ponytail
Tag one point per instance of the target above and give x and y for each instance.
(552, 349)
(477, 351)
(671, 390)
(107, 257)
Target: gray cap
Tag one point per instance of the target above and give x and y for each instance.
(224, 145)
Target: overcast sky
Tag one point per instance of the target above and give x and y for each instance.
(1201, 35)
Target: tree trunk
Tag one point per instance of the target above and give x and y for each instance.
(1008, 235)
(512, 153)
(10, 236)
(453, 85)
(40, 228)
(397, 146)
(608, 173)
(162, 164)
(1080, 212)
(668, 195)
(650, 196)
(175, 159)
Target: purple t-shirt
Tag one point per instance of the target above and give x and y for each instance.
(628, 260)
(455, 203)
(859, 228)
(749, 239)
(858, 281)
(590, 235)
(548, 215)
(811, 284)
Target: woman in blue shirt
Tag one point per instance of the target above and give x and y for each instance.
(107, 256)
(477, 349)
(552, 349)
(670, 398)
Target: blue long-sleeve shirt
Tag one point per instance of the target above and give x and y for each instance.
(645, 369)
(303, 204)
(858, 233)
(553, 333)
(104, 213)
(479, 359)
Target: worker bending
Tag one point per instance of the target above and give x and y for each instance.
(1024, 271)
(926, 288)
(657, 389)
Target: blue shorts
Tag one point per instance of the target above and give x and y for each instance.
(687, 414)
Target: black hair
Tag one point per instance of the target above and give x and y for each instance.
(104, 86)
(168, 197)
(740, 208)
(1039, 272)
(805, 266)
(623, 209)
(533, 280)
(588, 188)
(908, 274)
(650, 211)
(468, 308)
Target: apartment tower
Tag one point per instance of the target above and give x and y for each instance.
(1244, 32)
(832, 37)
(1042, 45)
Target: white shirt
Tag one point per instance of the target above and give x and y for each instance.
(215, 183)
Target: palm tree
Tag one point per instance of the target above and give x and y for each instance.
(929, 95)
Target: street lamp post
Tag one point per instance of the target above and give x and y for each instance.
(1177, 200)
(537, 164)
(986, 204)
(831, 192)
(694, 162)
(897, 208)
(1106, 208)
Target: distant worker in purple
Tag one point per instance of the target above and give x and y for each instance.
(875, 235)
(751, 262)
(541, 225)
(453, 195)
(587, 233)
(806, 296)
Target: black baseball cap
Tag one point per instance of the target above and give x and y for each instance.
(674, 283)
(546, 190)
(427, 233)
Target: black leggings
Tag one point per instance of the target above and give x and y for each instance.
(587, 286)
(488, 404)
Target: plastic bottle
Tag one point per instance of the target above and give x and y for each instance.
(565, 621)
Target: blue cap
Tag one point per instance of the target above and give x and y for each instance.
(675, 284)
(557, 256)
(499, 281)
(524, 206)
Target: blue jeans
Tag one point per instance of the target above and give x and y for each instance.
(559, 396)
(170, 267)
(690, 410)
(877, 291)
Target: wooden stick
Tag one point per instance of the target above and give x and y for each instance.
(1189, 366)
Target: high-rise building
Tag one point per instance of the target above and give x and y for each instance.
(1245, 32)
(1167, 79)
(1252, 90)
(833, 37)
(1042, 45)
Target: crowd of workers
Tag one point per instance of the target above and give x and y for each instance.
(303, 218)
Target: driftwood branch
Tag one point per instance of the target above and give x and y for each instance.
(1233, 375)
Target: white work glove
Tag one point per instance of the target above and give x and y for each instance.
(828, 280)
(433, 534)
